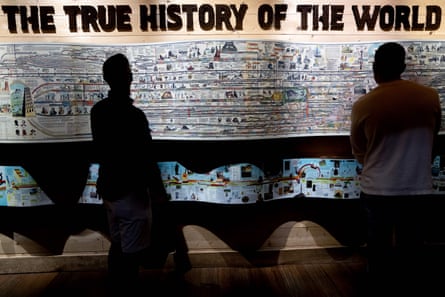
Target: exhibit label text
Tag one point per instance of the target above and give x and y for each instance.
(219, 17)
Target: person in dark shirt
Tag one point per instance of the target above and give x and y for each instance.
(123, 149)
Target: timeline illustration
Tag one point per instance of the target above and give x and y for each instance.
(213, 89)
(241, 183)
(246, 183)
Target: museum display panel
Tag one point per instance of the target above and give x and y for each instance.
(249, 105)
(207, 75)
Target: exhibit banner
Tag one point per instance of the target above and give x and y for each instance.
(206, 70)
(159, 21)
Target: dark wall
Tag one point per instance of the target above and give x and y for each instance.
(61, 171)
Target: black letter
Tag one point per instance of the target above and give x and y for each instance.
(11, 11)
(173, 12)
(223, 12)
(430, 10)
(207, 10)
(304, 10)
(239, 15)
(33, 19)
(123, 18)
(265, 16)
(366, 19)
(279, 15)
(72, 12)
(47, 20)
(145, 18)
(402, 17)
(337, 15)
(109, 25)
(387, 23)
(415, 25)
(162, 17)
(189, 9)
(89, 16)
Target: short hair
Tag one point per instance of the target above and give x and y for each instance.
(116, 69)
(389, 59)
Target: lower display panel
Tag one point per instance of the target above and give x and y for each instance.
(241, 183)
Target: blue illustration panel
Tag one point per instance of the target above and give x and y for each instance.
(241, 183)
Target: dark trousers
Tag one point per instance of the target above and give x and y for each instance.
(395, 240)
(123, 272)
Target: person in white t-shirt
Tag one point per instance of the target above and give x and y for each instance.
(393, 131)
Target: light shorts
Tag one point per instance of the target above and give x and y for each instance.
(130, 221)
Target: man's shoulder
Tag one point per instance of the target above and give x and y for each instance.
(360, 100)
(416, 84)
(100, 103)
(427, 91)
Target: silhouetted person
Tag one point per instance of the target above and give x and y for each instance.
(393, 130)
(123, 149)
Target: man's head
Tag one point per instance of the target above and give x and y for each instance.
(389, 62)
(117, 72)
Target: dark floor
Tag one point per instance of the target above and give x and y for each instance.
(332, 278)
(329, 280)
